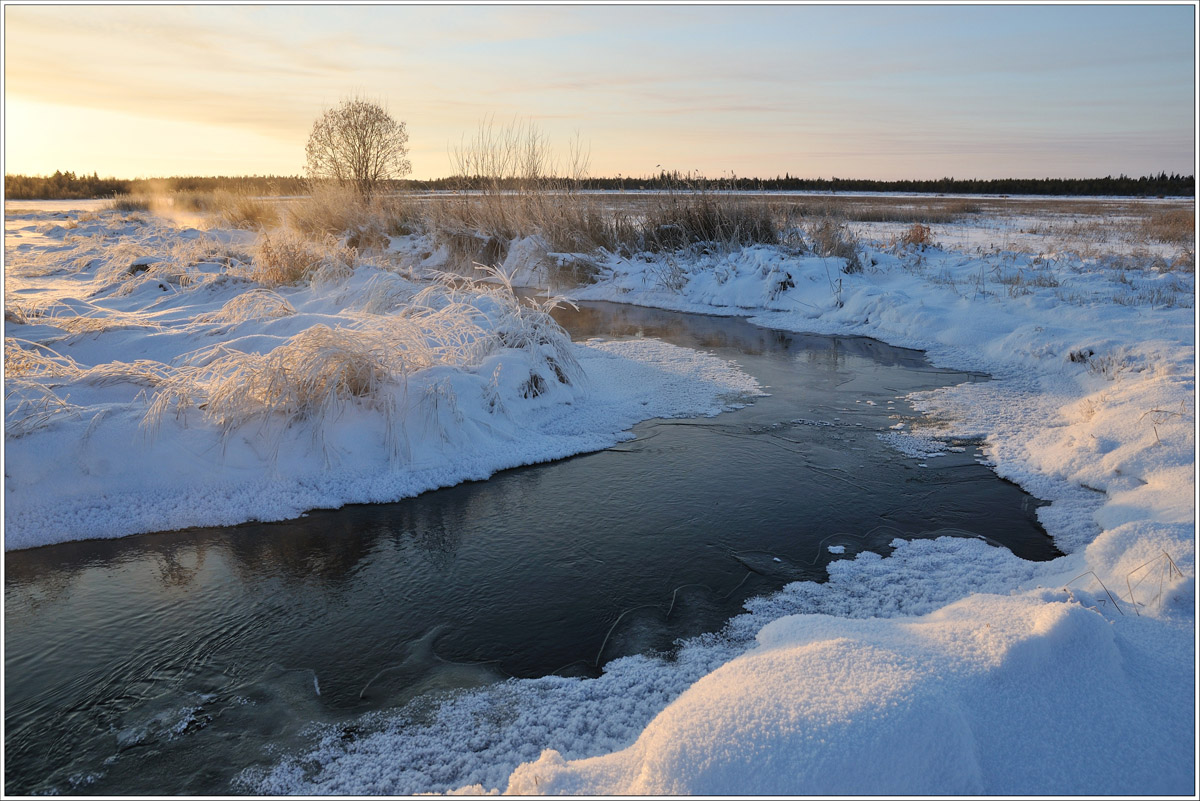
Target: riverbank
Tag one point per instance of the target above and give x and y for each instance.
(950, 666)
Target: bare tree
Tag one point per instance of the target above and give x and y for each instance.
(357, 144)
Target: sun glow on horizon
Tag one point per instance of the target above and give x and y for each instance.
(38, 137)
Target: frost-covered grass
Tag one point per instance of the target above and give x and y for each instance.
(285, 257)
(948, 667)
(312, 375)
(159, 377)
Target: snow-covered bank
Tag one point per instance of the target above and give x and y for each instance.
(948, 667)
(1041, 691)
(1030, 694)
(153, 385)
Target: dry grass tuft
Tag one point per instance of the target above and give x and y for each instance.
(342, 214)
(141, 372)
(479, 227)
(131, 203)
(832, 238)
(899, 210)
(254, 304)
(313, 371)
(682, 219)
(29, 406)
(307, 377)
(36, 360)
(385, 293)
(285, 257)
(242, 210)
(329, 210)
(1176, 226)
(109, 321)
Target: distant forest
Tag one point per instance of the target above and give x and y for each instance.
(68, 185)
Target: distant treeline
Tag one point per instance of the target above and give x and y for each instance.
(1146, 186)
(68, 185)
(64, 185)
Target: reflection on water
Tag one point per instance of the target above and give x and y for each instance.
(209, 647)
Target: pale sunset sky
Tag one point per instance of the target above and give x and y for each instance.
(854, 91)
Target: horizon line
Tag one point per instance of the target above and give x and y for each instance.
(672, 174)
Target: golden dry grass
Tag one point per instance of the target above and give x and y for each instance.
(286, 257)
(315, 373)
(253, 304)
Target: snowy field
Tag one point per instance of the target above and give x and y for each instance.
(160, 376)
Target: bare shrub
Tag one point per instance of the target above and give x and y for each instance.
(918, 235)
(1185, 260)
(516, 192)
(518, 189)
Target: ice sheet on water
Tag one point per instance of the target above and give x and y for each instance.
(917, 446)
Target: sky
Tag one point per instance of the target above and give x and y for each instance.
(852, 91)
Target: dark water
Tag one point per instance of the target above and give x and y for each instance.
(168, 663)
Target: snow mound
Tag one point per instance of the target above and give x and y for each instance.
(962, 701)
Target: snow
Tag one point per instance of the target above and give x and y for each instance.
(972, 698)
(947, 667)
(99, 464)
